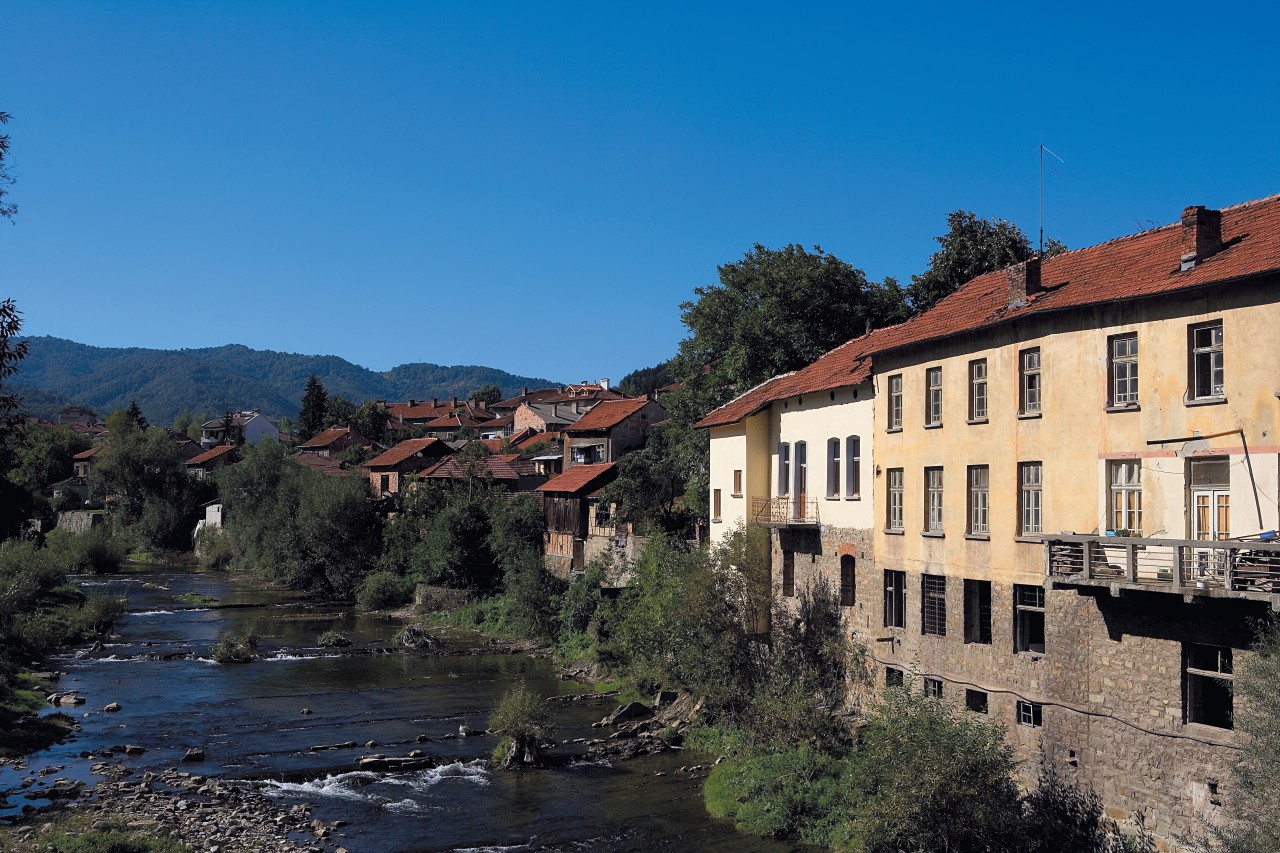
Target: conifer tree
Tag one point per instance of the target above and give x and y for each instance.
(314, 405)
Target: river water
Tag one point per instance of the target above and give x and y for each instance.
(249, 720)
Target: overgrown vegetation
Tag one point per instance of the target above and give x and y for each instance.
(1253, 807)
(72, 832)
(235, 647)
(524, 720)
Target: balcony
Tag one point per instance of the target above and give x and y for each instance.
(785, 512)
(1189, 567)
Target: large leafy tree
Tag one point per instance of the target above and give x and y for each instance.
(10, 354)
(970, 248)
(487, 394)
(7, 210)
(314, 408)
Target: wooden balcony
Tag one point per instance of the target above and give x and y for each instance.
(785, 512)
(1188, 567)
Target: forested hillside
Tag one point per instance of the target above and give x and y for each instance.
(168, 382)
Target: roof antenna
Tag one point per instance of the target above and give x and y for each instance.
(1055, 171)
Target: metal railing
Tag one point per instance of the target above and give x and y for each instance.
(1177, 564)
(785, 512)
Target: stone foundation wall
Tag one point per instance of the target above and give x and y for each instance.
(816, 553)
(1109, 685)
(79, 521)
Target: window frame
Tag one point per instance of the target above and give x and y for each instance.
(1030, 714)
(1124, 498)
(853, 467)
(894, 495)
(1203, 683)
(715, 505)
(894, 407)
(933, 605)
(1028, 613)
(848, 580)
(1030, 499)
(933, 396)
(895, 598)
(1218, 390)
(737, 483)
(978, 391)
(784, 468)
(978, 500)
(788, 574)
(932, 687)
(1126, 361)
(833, 467)
(934, 499)
(1030, 382)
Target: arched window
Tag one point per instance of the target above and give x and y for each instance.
(847, 564)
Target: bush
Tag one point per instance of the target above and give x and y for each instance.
(95, 551)
(235, 647)
(797, 793)
(332, 640)
(523, 718)
(383, 591)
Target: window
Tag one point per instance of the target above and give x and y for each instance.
(1206, 361)
(979, 522)
(1029, 381)
(1030, 714)
(853, 467)
(789, 573)
(1028, 619)
(933, 396)
(933, 500)
(800, 488)
(1123, 350)
(1208, 675)
(895, 401)
(847, 564)
(978, 390)
(1030, 506)
(1210, 499)
(895, 599)
(384, 484)
(975, 701)
(977, 611)
(833, 467)
(933, 605)
(737, 482)
(1126, 496)
(715, 505)
(893, 498)
(784, 468)
(933, 688)
(893, 677)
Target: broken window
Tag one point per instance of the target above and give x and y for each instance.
(893, 677)
(933, 688)
(975, 701)
(895, 599)
(788, 573)
(1208, 675)
(1028, 619)
(1030, 714)
(977, 611)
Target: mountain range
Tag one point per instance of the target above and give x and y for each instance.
(209, 381)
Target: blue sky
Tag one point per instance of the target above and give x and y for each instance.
(537, 187)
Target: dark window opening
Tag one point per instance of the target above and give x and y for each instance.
(975, 701)
(893, 676)
(933, 605)
(788, 573)
(1028, 619)
(895, 599)
(977, 611)
(1030, 714)
(847, 563)
(1209, 674)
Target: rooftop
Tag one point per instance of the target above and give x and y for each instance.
(403, 451)
(608, 414)
(581, 478)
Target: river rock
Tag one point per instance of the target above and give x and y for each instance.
(664, 697)
(194, 754)
(134, 749)
(112, 707)
(416, 637)
(628, 713)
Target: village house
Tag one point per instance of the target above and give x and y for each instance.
(333, 441)
(511, 471)
(251, 425)
(82, 463)
(1074, 474)
(388, 470)
(202, 467)
(610, 429)
(574, 519)
(543, 417)
(76, 416)
(324, 464)
(579, 397)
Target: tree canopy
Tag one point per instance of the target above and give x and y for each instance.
(10, 354)
(7, 210)
(970, 248)
(314, 408)
(487, 394)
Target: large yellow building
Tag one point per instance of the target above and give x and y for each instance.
(1073, 473)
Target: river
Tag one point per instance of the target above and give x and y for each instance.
(249, 718)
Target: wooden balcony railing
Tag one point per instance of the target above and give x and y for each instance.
(1248, 568)
(785, 512)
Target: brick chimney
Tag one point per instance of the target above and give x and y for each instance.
(524, 392)
(1201, 234)
(435, 402)
(1024, 279)
(453, 401)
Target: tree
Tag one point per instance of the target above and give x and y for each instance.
(370, 420)
(232, 432)
(647, 379)
(970, 248)
(314, 408)
(183, 421)
(339, 411)
(487, 394)
(142, 480)
(10, 353)
(6, 179)
(1253, 807)
(135, 414)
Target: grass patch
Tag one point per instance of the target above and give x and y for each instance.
(72, 833)
(195, 598)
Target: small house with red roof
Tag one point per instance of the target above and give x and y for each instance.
(333, 441)
(202, 467)
(388, 470)
(573, 516)
(82, 463)
(610, 429)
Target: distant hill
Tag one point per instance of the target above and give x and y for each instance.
(209, 381)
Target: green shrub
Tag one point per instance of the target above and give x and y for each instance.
(523, 718)
(383, 591)
(215, 548)
(332, 640)
(235, 647)
(95, 551)
(797, 793)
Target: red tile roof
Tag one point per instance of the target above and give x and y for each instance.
(1133, 267)
(608, 413)
(580, 478)
(402, 451)
(507, 467)
(87, 454)
(211, 454)
(327, 437)
(533, 438)
(323, 464)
